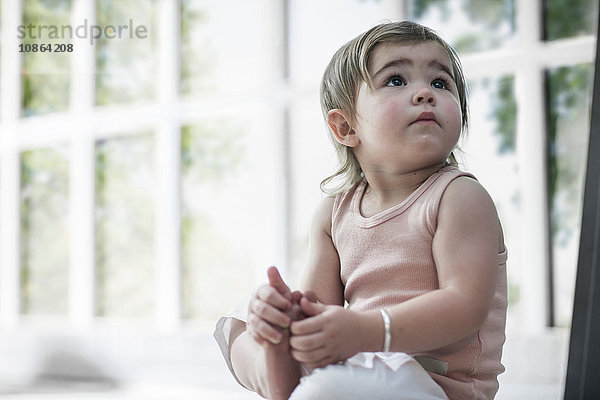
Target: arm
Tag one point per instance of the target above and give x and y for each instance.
(465, 249)
(322, 272)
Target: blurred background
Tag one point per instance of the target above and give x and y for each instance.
(146, 183)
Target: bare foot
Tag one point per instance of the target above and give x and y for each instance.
(283, 371)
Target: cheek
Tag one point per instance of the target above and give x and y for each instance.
(453, 115)
(386, 114)
(456, 122)
(391, 112)
(376, 117)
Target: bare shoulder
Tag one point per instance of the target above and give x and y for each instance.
(465, 192)
(323, 214)
(467, 205)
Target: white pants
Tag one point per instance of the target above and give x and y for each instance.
(379, 382)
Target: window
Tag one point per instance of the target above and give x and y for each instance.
(140, 172)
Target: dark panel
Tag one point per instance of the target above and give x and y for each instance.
(583, 372)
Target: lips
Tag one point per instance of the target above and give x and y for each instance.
(425, 117)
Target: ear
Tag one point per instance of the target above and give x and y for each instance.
(339, 123)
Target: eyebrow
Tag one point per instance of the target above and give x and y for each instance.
(435, 64)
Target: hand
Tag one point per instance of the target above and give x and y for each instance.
(326, 336)
(271, 309)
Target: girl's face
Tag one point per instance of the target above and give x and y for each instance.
(411, 118)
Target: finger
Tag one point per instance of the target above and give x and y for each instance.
(305, 343)
(315, 357)
(276, 281)
(311, 308)
(271, 296)
(264, 330)
(306, 326)
(270, 314)
(257, 338)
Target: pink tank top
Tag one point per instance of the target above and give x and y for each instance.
(387, 259)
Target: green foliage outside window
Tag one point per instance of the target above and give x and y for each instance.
(569, 18)
(491, 21)
(504, 114)
(126, 67)
(570, 95)
(45, 84)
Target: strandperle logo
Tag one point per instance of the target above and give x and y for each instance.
(82, 31)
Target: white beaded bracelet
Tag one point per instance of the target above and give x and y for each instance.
(388, 330)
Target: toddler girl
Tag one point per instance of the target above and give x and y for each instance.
(404, 292)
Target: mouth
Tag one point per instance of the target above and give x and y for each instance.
(426, 117)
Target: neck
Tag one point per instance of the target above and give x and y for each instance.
(386, 188)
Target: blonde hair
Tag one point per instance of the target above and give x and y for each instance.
(347, 70)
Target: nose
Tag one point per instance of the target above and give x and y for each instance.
(424, 96)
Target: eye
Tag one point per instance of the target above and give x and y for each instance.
(395, 81)
(440, 83)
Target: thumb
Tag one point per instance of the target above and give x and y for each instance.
(311, 296)
(311, 308)
(275, 281)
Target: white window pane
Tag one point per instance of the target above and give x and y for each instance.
(125, 186)
(229, 227)
(221, 50)
(126, 63)
(44, 231)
